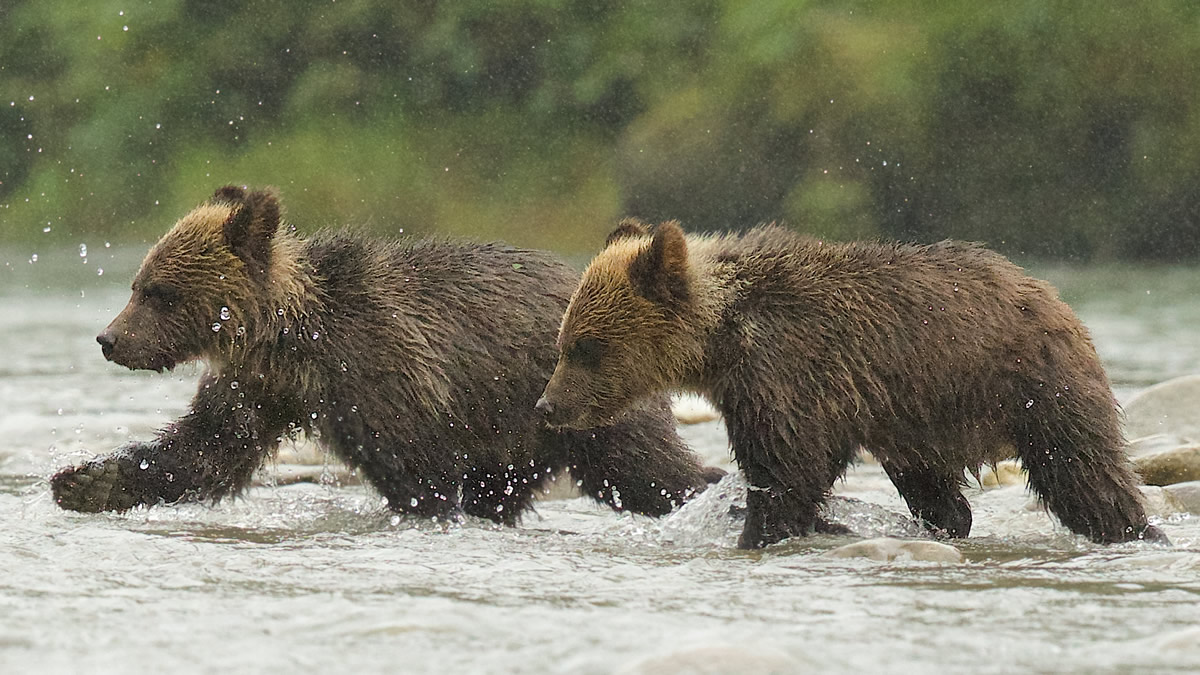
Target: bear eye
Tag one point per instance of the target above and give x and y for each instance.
(161, 294)
(586, 352)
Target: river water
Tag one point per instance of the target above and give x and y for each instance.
(311, 577)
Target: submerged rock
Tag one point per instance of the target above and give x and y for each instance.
(1186, 495)
(716, 660)
(887, 550)
(1177, 465)
(1171, 407)
(1161, 503)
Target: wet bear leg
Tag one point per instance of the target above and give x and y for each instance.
(209, 453)
(500, 495)
(934, 497)
(1084, 479)
(638, 464)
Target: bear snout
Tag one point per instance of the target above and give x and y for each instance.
(108, 342)
(544, 406)
(554, 414)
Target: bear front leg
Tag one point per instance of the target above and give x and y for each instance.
(788, 477)
(137, 473)
(207, 454)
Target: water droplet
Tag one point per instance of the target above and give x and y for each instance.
(145, 464)
(83, 250)
(316, 335)
(216, 327)
(99, 271)
(233, 385)
(395, 520)
(279, 311)
(413, 503)
(225, 314)
(1029, 403)
(241, 330)
(46, 229)
(33, 258)
(314, 415)
(499, 508)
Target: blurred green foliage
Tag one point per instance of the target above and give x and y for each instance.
(1044, 129)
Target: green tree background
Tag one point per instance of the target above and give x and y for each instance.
(1067, 130)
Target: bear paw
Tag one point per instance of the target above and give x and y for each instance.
(90, 488)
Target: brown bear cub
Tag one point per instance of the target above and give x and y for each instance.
(934, 358)
(417, 362)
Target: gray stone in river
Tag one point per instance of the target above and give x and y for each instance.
(717, 660)
(1186, 495)
(1171, 407)
(885, 549)
(1166, 467)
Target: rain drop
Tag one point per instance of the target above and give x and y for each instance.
(83, 250)
(225, 314)
(1029, 404)
(316, 335)
(395, 520)
(413, 503)
(216, 327)
(144, 465)
(233, 385)
(241, 330)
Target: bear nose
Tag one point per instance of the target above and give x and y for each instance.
(544, 406)
(107, 342)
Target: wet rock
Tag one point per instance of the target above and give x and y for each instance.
(888, 550)
(301, 452)
(1187, 639)
(691, 409)
(1177, 465)
(560, 487)
(1147, 445)
(715, 661)
(1187, 495)
(1171, 407)
(1008, 472)
(1159, 502)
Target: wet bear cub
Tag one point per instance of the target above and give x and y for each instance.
(934, 358)
(417, 362)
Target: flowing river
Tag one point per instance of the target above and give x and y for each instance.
(321, 577)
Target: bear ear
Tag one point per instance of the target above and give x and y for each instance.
(659, 272)
(627, 228)
(251, 227)
(230, 194)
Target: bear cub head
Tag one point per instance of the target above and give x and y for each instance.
(626, 334)
(200, 290)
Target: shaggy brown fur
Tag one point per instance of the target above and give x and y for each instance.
(416, 362)
(935, 358)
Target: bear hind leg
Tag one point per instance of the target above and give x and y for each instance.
(934, 497)
(1085, 481)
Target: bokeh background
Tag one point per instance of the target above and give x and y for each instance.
(1047, 130)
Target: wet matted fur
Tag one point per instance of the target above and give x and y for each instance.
(416, 362)
(935, 358)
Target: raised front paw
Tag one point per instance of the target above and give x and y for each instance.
(92, 487)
